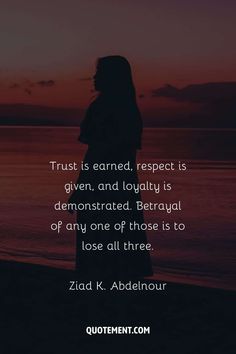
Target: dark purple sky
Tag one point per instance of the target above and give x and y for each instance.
(178, 42)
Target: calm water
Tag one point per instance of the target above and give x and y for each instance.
(201, 254)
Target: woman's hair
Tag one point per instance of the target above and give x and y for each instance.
(115, 74)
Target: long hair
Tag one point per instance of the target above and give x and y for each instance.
(115, 73)
(116, 94)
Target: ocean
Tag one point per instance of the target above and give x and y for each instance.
(202, 253)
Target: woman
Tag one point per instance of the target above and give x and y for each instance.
(112, 130)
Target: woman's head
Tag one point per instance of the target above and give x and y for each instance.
(113, 76)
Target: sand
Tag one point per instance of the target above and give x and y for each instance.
(40, 315)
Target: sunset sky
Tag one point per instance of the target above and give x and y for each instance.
(49, 48)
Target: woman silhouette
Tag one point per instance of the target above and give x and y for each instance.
(112, 129)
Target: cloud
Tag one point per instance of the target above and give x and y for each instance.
(46, 83)
(26, 85)
(212, 104)
(29, 84)
(199, 93)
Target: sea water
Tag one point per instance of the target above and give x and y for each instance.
(200, 254)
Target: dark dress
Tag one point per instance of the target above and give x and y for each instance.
(112, 131)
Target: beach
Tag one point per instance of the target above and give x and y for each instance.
(117, 177)
(192, 313)
(40, 315)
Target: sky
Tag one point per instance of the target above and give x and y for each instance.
(49, 48)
